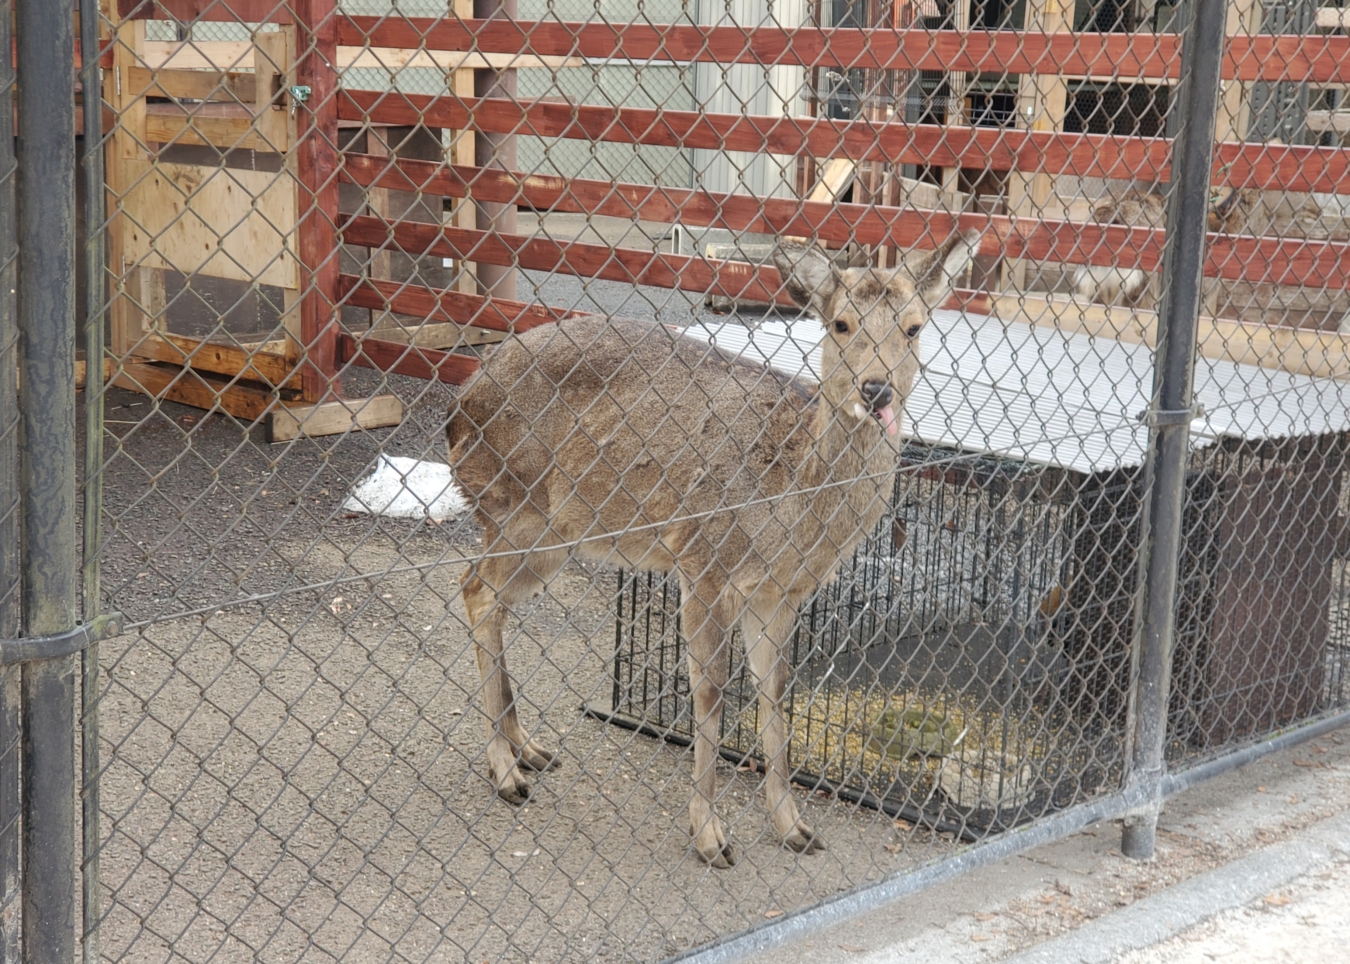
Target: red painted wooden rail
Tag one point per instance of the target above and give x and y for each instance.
(1279, 167)
(1279, 261)
(1316, 59)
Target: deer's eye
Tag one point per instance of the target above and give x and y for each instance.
(841, 327)
(913, 331)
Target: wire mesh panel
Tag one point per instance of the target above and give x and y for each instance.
(585, 478)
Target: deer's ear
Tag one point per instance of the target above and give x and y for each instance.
(939, 276)
(808, 274)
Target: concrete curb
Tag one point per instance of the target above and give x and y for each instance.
(1177, 909)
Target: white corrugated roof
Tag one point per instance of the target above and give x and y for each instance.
(1066, 400)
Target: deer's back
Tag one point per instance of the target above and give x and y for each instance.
(622, 424)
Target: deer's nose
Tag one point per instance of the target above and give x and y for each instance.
(877, 393)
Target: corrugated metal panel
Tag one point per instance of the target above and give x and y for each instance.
(1066, 400)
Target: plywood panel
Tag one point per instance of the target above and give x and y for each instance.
(222, 223)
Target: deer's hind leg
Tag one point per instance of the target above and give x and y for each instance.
(491, 585)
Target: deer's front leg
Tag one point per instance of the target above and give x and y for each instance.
(707, 633)
(768, 629)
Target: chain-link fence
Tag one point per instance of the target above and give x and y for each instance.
(588, 481)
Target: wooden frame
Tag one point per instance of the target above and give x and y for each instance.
(251, 226)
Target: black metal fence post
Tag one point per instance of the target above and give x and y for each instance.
(95, 300)
(45, 189)
(10, 698)
(1172, 410)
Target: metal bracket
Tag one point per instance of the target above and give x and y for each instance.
(1163, 417)
(299, 93)
(63, 644)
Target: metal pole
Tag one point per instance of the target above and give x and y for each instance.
(46, 299)
(1171, 412)
(498, 151)
(10, 696)
(95, 303)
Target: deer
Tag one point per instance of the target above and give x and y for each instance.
(1111, 285)
(625, 442)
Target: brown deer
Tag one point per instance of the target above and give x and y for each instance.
(1111, 285)
(625, 442)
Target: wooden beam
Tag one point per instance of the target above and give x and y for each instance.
(82, 370)
(228, 86)
(1124, 57)
(1301, 351)
(1329, 121)
(1242, 19)
(836, 175)
(441, 335)
(388, 356)
(462, 147)
(273, 370)
(827, 220)
(333, 417)
(1333, 18)
(493, 314)
(397, 58)
(904, 49)
(195, 54)
(219, 11)
(316, 165)
(1077, 155)
(227, 126)
(730, 278)
(199, 389)
(1042, 102)
(1084, 155)
(1262, 260)
(137, 309)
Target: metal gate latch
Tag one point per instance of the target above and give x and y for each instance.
(299, 95)
(63, 644)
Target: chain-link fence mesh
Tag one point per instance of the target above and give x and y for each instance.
(808, 347)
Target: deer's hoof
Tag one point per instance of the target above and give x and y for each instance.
(534, 757)
(514, 790)
(713, 847)
(804, 840)
(720, 858)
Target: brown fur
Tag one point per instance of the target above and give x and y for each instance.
(1273, 214)
(1109, 285)
(624, 443)
(1134, 209)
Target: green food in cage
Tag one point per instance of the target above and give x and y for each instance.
(901, 734)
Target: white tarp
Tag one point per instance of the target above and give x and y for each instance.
(1066, 400)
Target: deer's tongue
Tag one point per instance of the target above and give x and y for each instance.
(886, 415)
